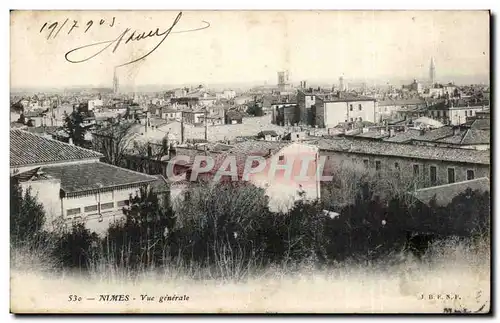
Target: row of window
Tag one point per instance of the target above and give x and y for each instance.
(432, 171)
(440, 113)
(94, 208)
(351, 108)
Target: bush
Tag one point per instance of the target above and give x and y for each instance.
(27, 215)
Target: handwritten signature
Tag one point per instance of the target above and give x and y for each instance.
(126, 37)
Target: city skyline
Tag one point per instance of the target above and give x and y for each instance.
(258, 44)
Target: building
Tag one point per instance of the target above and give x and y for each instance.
(283, 188)
(268, 135)
(193, 117)
(305, 101)
(233, 117)
(423, 166)
(169, 113)
(416, 87)
(386, 109)
(71, 182)
(455, 111)
(284, 114)
(95, 104)
(332, 110)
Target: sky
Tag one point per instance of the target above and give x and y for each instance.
(248, 46)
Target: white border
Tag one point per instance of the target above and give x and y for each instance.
(186, 4)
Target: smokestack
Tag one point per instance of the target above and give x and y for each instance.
(206, 126)
(182, 127)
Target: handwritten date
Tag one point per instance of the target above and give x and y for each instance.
(53, 29)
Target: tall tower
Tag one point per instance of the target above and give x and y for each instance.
(115, 83)
(432, 72)
(283, 78)
(341, 84)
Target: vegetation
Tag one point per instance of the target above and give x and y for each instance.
(226, 230)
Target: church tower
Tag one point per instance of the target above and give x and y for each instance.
(115, 83)
(432, 72)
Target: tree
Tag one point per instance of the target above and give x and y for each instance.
(113, 141)
(74, 247)
(144, 231)
(27, 215)
(73, 125)
(255, 110)
(21, 119)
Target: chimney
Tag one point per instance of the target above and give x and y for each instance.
(391, 132)
(70, 141)
(172, 151)
(150, 151)
(456, 131)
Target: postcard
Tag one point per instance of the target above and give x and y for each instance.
(180, 161)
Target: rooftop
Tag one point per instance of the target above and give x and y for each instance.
(345, 97)
(444, 194)
(95, 175)
(31, 149)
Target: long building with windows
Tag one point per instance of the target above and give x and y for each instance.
(71, 182)
(426, 165)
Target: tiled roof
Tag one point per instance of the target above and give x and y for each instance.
(346, 98)
(268, 132)
(444, 194)
(258, 147)
(483, 124)
(94, 175)
(475, 136)
(413, 101)
(436, 134)
(372, 134)
(17, 125)
(43, 130)
(382, 148)
(30, 149)
(160, 185)
(404, 136)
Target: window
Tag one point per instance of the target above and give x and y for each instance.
(73, 211)
(105, 206)
(470, 174)
(378, 165)
(470, 112)
(433, 175)
(281, 157)
(366, 163)
(352, 119)
(416, 170)
(396, 166)
(350, 107)
(90, 208)
(451, 175)
(360, 119)
(360, 107)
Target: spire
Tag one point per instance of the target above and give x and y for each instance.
(432, 71)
